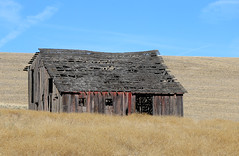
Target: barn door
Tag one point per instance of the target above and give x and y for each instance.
(144, 104)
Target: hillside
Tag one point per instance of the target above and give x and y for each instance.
(213, 91)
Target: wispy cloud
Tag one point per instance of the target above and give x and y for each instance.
(193, 50)
(221, 10)
(22, 23)
(45, 14)
(9, 11)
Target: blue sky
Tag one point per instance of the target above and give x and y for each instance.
(180, 28)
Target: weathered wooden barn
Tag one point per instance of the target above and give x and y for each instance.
(64, 80)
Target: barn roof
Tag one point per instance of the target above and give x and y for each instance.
(81, 70)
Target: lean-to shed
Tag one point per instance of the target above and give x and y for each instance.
(64, 80)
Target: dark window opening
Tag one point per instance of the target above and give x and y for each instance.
(50, 84)
(32, 86)
(82, 102)
(108, 102)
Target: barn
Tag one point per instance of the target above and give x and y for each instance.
(66, 80)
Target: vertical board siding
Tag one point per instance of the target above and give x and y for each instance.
(123, 102)
(95, 102)
(180, 105)
(168, 105)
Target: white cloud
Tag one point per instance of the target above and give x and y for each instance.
(221, 10)
(26, 23)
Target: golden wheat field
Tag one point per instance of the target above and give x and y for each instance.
(209, 127)
(25, 132)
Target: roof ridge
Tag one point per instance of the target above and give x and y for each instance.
(52, 50)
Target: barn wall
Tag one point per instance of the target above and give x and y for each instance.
(95, 102)
(39, 97)
(123, 103)
(168, 104)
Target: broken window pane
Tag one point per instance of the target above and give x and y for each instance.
(108, 102)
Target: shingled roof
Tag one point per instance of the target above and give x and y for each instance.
(81, 70)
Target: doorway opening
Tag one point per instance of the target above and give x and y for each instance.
(144, 104)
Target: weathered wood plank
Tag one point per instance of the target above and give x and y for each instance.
(114, 98)
(96, 102)
(118, 103)
(129, 103)
(171, 99)
(73, 104)
(163, 105)
(175, 105)
(64, 102)
(159, 105)
(92, 102)
(100, 102)
(167, 105)
(155, 105)
(88, 107)
(133, 103)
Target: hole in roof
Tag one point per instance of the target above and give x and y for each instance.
(66, 67)
(60, 69)
(71, 76)
(63, 75)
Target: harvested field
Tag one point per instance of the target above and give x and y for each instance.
(213, 90)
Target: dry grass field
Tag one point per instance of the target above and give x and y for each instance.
(13, 81)
(213, 96)
(25, 132)
(212, 84)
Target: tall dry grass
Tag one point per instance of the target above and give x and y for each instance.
(41, 133)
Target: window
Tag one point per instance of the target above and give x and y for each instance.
(50, 85)
(82, 102)
(108, 102)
